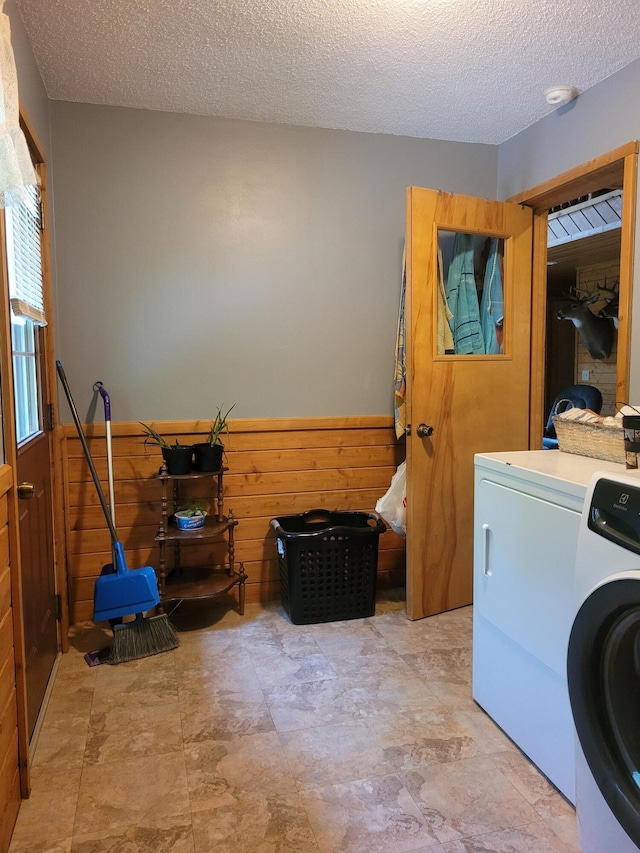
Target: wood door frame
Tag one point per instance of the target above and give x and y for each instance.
(11, 457)
(617, 169)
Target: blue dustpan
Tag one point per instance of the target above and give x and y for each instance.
(121, 591)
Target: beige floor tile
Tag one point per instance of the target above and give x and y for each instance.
(47, 817)
(223, 715)
(299, 643)
(204, 646)
(221, 772)
(123, 734)
(221, 672)
(259, 823)
(278, 670)
(263, 621)
(376, 815)
(260, 736)
(137, 792)
(313, 703)
(352, 645)
(448, 664)
(373, 663)
(72, 693)
(531, 838)
(458, 693)
(536, 790)
(343, 628)
(61, 744)
(485, 732)
(467, 798)
(63, 846)
(432, 735)
(392, 694)
(141, 683)
(327, 755)
(171, 835)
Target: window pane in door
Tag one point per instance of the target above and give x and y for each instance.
(470, 302)
(25, 378)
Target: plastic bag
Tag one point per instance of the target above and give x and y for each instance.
(392, 506)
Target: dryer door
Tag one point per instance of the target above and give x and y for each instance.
(603, 668)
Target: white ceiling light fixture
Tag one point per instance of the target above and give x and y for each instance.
(558, 96)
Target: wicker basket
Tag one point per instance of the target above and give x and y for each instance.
(594, 440)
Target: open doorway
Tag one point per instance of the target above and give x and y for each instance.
(583, 280)
(618, 169)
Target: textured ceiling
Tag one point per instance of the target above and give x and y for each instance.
(469, 70)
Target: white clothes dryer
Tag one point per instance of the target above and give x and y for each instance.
(603, 666)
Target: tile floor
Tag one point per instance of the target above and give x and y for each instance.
(258, 736)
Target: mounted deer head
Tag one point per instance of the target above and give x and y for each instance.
(595, 332)
(610, 309)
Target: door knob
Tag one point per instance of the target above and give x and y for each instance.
(26, 491)
(424, 431)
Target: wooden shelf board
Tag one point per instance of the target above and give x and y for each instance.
(199, 582)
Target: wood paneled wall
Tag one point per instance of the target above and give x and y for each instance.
(276, 467)
(9, 763)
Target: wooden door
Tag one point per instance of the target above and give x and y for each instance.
(28, 438)
(38, 575)
(472, 403)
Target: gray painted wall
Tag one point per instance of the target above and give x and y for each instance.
(205, 261)
(600, 120)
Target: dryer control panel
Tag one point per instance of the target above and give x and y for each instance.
(615, 513)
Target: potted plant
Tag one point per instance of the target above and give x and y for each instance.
(208, 454)
(177, 457)
(191, 516)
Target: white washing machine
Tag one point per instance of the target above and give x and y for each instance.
(603, 666)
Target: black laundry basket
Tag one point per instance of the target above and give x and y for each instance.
(328, 564)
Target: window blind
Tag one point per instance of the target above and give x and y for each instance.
(24, 258)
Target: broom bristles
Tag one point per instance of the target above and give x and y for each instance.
(142, 638)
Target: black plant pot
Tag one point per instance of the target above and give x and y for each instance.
(208, 457)
(178, 459)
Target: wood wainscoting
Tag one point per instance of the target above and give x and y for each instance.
(9, 734)
(276, 467)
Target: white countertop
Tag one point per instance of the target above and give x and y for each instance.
(567, 467)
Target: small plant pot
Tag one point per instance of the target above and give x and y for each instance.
(178, 459)
(208, 457)
(186, 521)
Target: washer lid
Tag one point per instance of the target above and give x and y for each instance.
(603, 669)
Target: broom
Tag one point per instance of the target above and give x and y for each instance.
(142, 638)
(121, 591)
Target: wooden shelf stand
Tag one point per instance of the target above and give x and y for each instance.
(177, 582)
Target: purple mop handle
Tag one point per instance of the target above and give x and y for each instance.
(105, 397)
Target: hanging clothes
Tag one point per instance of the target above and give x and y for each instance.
(492, 304)
(462, 298)
(444, 336)
(400, 375)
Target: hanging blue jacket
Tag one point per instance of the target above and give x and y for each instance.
(462, 298)
(492, 305)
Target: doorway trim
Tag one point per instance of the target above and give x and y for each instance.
(617, 169)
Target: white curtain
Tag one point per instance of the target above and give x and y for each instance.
(16, 168)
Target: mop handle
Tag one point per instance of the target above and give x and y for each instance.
(98, 386)
(85, 447)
